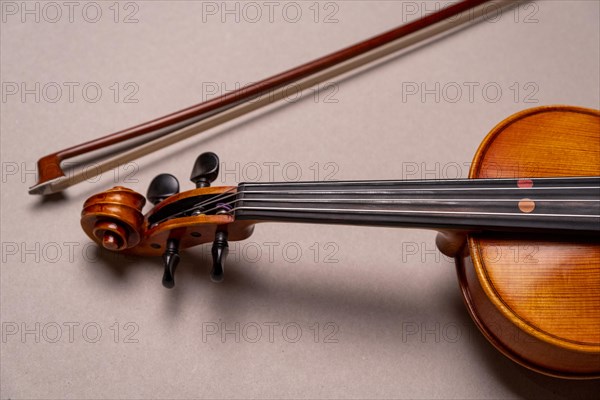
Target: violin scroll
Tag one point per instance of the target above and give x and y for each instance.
(114, 218)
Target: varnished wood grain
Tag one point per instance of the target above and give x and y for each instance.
(120, 207)
(548, 288)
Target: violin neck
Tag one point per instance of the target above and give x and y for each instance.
(541, 204)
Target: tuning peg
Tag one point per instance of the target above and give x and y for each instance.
(219, 251)
(206, 169)
(170, 259)
(162, 187)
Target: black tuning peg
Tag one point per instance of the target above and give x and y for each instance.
(162, 187)
(219, 251)
(170, 259)
(206, 169)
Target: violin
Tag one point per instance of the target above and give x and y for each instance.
(543, 315)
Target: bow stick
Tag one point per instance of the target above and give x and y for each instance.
(183, 124)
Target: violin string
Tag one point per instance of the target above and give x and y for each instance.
(370, 202)
(230, 193)
(428, 181)
(395, 190)
(371, 210)
(233, 192)
(199, 205)
(226, 194)
(399, 201)
(382, 211)
(360, 201)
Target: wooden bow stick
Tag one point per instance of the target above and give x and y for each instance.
(183, 124)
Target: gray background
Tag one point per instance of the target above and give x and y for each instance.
(385, 304)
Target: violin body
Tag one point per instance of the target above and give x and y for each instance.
(537, 299)
(535, 295)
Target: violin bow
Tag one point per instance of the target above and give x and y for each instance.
(167, 130)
